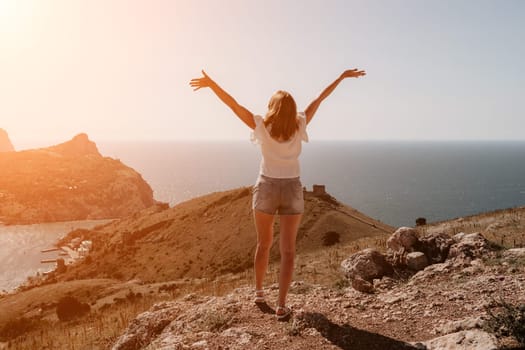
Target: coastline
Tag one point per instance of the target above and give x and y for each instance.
(21, 245)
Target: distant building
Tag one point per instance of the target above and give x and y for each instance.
(421, 221)
(319, 190)
(84, 248)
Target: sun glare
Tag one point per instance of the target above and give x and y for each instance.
(12, 14)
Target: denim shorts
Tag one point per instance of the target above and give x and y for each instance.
(278, 196)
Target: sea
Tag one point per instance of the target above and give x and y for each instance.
(392, 181)
(21, 245)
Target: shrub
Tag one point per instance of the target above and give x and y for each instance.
(16, 327)
(330, 238)
(508, 321)
(342, 283)
(69, 308)
(215, 321)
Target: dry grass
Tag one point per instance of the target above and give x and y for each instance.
(97, 331)
(101, 328)
(504, 227)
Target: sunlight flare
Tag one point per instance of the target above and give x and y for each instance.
(13, 14)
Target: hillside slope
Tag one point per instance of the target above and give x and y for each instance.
(209, 236)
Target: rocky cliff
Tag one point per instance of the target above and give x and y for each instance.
(79, 145)
(5, 143)
(69, 181)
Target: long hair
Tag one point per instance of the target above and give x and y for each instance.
(282, 116)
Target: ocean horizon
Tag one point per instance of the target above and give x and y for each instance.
(392, 181)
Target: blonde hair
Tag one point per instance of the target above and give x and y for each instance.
(282, 116)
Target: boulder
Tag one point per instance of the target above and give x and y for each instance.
(5, 143)
(514, 253)
(469, 246)
(431, 271)
(361, 285)
(416, 261)
(147, 326)
(465, 340)
(461, 325)
(436, 246)
(366, 264)
(404, 239)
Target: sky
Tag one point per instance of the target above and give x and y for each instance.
(120, 70)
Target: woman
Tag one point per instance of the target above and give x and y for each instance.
(278, 189)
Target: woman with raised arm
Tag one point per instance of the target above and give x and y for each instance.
(278, 189)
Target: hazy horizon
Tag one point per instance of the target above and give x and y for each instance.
(32, 144)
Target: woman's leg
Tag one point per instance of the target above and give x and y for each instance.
(264, 227)
(289, 227)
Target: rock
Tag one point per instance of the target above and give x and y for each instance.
(239, 334)
(495, 226)
(468, 247)
(361, 285)
(384, 283)
(366, 264)
(416, 261)
(460, 325)
(390, 298)
(404, 239)
(430, 272)
(464, 340)
(5, 143)
(436, 247)
(514, 253)
(143, 329)
(200, 344)
(80, 145)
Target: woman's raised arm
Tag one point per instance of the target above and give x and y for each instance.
(314, 105)
(245, 115)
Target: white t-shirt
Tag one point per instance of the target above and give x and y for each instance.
(279, 159)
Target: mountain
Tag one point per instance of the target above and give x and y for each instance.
(5, 143)
(69, 181)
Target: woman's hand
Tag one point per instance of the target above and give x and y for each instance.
(203, 82)
(353, 73)
(312, 107)
(245, 115)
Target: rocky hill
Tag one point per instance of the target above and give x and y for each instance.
(211, 236)
(445, 305)
(176, 278)
(5, 143)
(70, 181)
